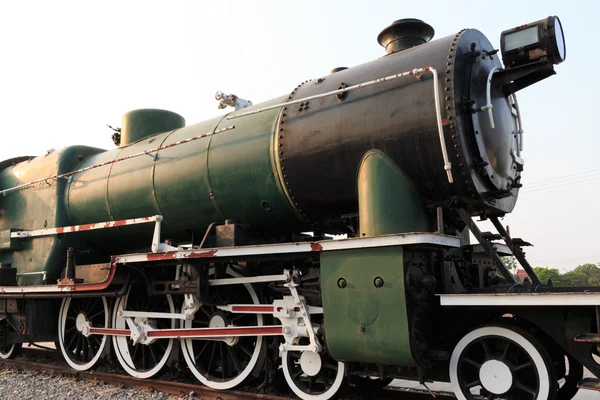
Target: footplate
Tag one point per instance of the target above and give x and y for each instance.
(587, 338)
(589, 383)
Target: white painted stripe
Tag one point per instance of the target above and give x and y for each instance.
(300, 247)
(521, 299)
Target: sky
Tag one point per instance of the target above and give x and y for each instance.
(68, 68)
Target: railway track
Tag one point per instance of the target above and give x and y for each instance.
(176, 388)
(182, 389)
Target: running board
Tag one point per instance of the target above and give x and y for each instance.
(589, 383)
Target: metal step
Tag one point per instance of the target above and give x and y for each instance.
(589, 383)
(587, 338)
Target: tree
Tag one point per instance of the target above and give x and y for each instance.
(511, 263)
(592, 272)
(546, 274)
(573, 278)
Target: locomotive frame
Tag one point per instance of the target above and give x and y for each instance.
(244, 301)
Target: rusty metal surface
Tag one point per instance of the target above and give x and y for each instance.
(587, 338)
(590, 383)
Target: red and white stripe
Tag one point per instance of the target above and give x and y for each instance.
(200, 333)
(84, 227)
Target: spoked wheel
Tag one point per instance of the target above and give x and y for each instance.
(76, 314)
(312, 376)
(567, 385)
(501, 363)
(224, 364)
(143, 360)
(10, 351)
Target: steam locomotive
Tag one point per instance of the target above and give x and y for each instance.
(192, 240)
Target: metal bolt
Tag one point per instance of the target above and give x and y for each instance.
(287, 330)
(378, 282)
(341, 283)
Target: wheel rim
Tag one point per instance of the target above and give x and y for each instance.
(143, 360)
(307, 384)
(501, 363)
(569, 382)
(218, 364)
(9, 351)
(82, 352)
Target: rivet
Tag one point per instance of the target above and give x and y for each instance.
(341, 283)
(280, 136)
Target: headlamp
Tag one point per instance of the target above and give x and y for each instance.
(536, 41)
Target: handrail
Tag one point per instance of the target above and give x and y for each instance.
(415, 72)
(146, 152)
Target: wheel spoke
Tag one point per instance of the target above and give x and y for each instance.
(152, 354)
(223, 358)
(525, 388)
(505, 353)
(298, 373)
(236, 361)
(472, 362)
(473, 384)
(523, 366)
(212, 356)
(323, 374)
(486, 349)
(201, 351)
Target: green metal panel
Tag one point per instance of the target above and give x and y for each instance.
(387, 200)
(363, 322)
(244, 176)
(230, 175)
(7, 243)
(38, 207)
(140, 124)
(181, 177)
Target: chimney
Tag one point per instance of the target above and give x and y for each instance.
(405, 33)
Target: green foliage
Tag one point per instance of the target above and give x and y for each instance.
(511, 263)
(546, 274)
(583, 275)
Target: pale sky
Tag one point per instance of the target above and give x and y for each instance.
(68, 68)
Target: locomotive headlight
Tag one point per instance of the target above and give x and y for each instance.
(535, 41)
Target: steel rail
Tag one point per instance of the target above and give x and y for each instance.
(199, 391)
(151, 385)
(116, 160)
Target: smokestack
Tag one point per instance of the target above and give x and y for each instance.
(405, 33)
